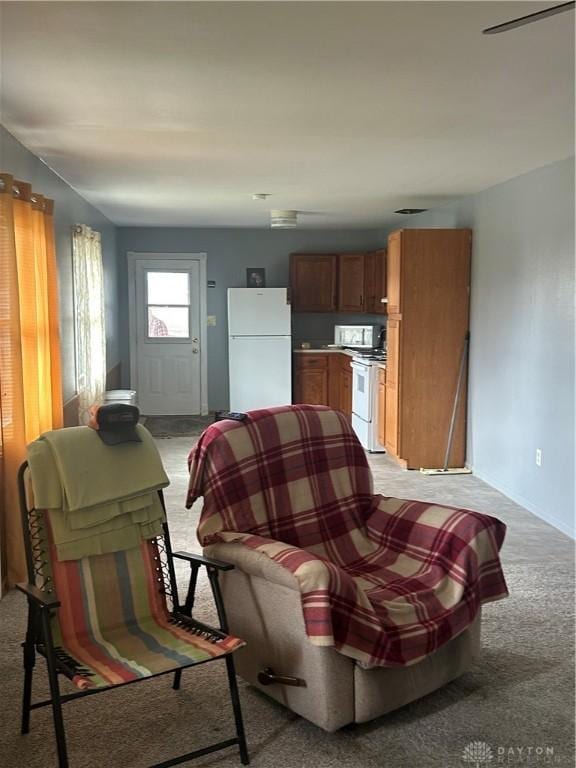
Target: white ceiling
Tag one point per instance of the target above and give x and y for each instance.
(174, 113)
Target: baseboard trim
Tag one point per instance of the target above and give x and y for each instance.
(560, 525)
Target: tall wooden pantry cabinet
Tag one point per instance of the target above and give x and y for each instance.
(428, 285)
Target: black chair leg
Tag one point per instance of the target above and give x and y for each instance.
(58, 720)
(235, 698)
(54, 693)
(177, 679)
(29, 661)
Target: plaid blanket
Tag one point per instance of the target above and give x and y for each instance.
(385, 581)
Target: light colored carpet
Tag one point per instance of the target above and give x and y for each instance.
(518, 696)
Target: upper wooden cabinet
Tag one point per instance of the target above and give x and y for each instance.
(375, 290)
(313, 282)
(345, 282)
(393, 273)
(351, 282)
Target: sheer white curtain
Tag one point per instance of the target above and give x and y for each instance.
(90, 318)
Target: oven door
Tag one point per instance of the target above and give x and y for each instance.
(361, 394)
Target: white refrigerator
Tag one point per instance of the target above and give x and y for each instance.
(259, 348)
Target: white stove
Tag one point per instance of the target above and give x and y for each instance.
(365, 399)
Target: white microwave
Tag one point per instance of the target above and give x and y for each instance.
(361, 336)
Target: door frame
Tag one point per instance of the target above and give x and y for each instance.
(133, 258)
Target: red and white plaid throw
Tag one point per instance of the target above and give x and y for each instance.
(385, 581)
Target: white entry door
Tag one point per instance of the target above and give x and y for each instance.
(168, 333)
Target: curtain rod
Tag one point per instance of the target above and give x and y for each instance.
(86, 230)
(22, 191)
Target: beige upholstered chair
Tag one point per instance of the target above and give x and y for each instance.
(263, 605)
(352, 604)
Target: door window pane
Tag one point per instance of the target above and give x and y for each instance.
(168, 288)
(168, 322)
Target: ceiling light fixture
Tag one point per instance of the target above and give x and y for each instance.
(283, 219)
(410, 211)
(260, 195)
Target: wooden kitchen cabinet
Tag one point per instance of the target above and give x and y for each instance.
(340, 383)
(345, 282)
(323, 379)
(391, 398)
(311, 379)
(375, 288)
(351, 282)
(313, 282)
(393, 273)
(345, 379)
(382, 407)
(428, 275)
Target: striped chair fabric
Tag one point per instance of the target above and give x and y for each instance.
(114, 626)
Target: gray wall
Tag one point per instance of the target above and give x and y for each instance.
(230, 252)
(69, 209)
(521, 393)
(317, 328)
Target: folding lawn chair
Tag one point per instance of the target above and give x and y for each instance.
(115, 619)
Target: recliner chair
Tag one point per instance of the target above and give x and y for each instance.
(288, 501)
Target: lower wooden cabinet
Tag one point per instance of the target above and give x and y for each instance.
(312, 387)
(391, 402)
(324, 379)
(311, 379)
(391, 442)
(382, 406)
(345, 386)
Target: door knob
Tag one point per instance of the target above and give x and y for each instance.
(194, 351)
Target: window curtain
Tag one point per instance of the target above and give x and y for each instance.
(30, 367)
(90, 319)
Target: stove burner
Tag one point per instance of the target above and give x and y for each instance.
(372, 354)
(381, 357)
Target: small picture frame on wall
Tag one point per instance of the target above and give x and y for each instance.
(255, 277)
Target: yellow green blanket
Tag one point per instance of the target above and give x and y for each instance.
(100, 498)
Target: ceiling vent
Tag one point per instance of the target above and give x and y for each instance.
(283, 219)
(411, 211)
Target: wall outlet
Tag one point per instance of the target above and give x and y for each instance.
(211, 320)
(538, 457)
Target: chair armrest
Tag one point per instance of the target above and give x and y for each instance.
(37, 596)
(202, 560)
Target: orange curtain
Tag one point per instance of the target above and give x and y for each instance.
(30, 373)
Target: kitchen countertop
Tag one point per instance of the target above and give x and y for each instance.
(330, 350)
(323, 350)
